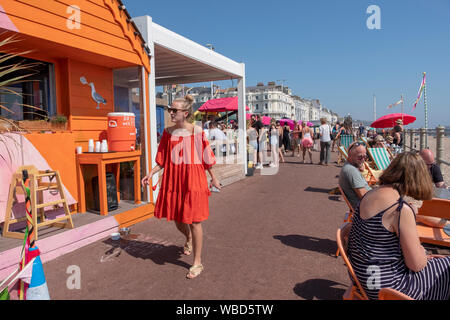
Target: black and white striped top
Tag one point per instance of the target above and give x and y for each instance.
(377, 259)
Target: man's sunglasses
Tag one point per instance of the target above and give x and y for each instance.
(356, 144)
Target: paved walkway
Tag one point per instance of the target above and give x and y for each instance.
(268, 237)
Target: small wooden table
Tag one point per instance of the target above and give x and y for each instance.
(101, 160)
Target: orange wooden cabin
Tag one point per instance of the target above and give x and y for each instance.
(80, 42)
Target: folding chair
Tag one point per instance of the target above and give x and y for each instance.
(348, 215)
(354, 292)
(380, 157)
(364, 139)
(435, 207)
(346, 140)
(392, 294)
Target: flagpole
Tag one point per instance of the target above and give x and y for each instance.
(426, 110)
(401, 97)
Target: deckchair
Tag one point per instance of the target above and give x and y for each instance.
(6, 283)
(354, 292)
(435, 207)
(346, 140)
(392, 294)
(364, 139)
(380, 157)
(348, 215)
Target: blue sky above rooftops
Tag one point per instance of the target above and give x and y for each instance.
(324, 49)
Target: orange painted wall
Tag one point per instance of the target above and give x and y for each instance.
(86, 121)
(103, 28)
(59, 151)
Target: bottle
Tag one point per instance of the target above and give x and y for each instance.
(91, 145)
(104, 146)
(97, 146)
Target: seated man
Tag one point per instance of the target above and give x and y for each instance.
(436, 174)
(438, 180)
(351, 180)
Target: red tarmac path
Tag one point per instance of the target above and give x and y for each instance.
(267, 237)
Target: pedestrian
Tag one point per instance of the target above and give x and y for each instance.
(184, 154)
(252, 136)
(280, 139)
(296, 138)
(274, 149)
(325, 142)
(307, 141)
(286, 137)
(334, 133)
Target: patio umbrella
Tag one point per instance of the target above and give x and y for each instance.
(221, 105)
(289, 122)
(388, 121)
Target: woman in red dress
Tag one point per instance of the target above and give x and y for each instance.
(184, 154)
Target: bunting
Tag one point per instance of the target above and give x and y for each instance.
(395, 104)
(419, 94)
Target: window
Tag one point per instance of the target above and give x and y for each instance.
(257, 107)
(256, 98)
(265, 106)
(266, 97)
(32, 100)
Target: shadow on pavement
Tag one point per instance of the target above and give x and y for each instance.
(320, 289)
(312, 189)
(158, 253)
(335, 198)
(325, 246)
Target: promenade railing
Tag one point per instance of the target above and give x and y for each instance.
(415, 139)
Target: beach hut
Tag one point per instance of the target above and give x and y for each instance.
(92, 61)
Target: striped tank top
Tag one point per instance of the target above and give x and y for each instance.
(377, 259)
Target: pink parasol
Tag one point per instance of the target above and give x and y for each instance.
(388, 121)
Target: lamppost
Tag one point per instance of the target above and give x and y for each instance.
(210, 46)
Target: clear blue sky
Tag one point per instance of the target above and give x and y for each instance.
(324, 49)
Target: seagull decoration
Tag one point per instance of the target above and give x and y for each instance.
(95, 96)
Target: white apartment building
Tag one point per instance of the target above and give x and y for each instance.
(271, 100)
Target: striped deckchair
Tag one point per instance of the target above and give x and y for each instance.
(343, 152)
(346, 140)
(364, 139)
(380, 157)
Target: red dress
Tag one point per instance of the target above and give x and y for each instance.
(184, 192)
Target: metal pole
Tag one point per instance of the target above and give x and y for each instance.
(411, 139)
(374, 108)
(439, 144)
(426, 110)
(422, 138)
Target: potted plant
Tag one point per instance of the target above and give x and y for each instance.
(59, 122)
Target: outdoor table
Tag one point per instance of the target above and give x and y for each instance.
(101, 160)
(442, 193)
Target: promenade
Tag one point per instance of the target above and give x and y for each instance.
(268, 237)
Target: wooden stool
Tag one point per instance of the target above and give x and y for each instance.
(37, 187)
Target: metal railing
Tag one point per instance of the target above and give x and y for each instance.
(412, 136)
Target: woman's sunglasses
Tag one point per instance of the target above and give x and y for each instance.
(173, 110)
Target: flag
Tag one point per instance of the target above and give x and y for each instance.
(395, 104)
(419, 94)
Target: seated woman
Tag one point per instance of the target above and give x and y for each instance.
(384, 248)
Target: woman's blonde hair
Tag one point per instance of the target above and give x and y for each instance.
(186, 105)
(409, 175)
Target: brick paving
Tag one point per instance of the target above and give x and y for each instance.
(268, 237)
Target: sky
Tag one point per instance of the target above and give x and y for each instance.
(325, 50)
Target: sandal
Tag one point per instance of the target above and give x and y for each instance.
(187, 249)
(194, 271)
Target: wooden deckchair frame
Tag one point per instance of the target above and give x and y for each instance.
(355, 292)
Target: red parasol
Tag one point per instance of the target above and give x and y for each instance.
(221, 105)
(388, 121)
